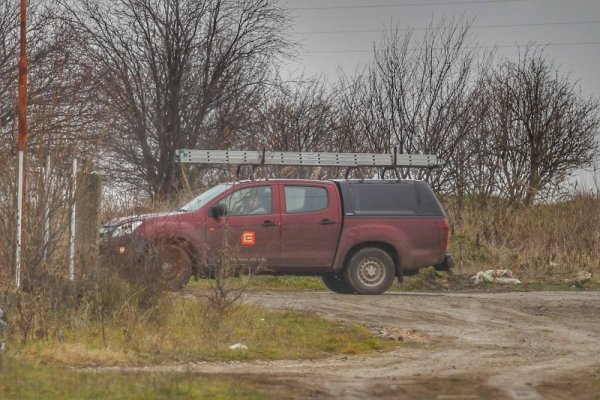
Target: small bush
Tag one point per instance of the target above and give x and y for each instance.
(49, 303)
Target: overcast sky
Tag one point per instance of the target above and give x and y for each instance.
(570, 27)
(340, 33)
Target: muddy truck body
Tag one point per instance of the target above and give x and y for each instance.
(358, 235)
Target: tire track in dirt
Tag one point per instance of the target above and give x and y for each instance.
(513, 342)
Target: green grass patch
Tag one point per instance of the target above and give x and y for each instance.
(282, 283)
(29, 381)
(427, 279)
(181, 330)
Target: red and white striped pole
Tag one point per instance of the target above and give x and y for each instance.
(22, 141)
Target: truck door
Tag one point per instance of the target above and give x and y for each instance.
(310, 224)
(251, 225)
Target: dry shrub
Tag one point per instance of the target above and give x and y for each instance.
(224, 293)
(144, 273)
(545, 240)
(49, 303)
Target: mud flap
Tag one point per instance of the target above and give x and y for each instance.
(445, 265)
(399, 273)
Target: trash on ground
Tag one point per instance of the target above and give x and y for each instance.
(495, 276)
(238, 346)
(387, 333)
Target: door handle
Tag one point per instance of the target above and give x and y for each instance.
(269, 223)
(327, 222)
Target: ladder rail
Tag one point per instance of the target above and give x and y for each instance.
(323, 159)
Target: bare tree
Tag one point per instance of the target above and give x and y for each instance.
(351, 100)
(298, 115)
(58, 108)
(537, 128)
(416, 94)
(9, 14)
(174, 74)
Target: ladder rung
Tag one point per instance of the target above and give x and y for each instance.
(304, 158)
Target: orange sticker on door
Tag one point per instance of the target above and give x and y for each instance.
(248, 238)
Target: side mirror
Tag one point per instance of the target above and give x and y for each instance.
(216, 211)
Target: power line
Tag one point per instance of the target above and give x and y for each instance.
(472, 27)
(420, 4)
(549, 44)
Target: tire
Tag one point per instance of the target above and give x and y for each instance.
(370, 271)
(170, 264)
(336, 283)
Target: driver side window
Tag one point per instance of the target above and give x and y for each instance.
(255, 200)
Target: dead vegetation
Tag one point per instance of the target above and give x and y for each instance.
(223, 294)
(550, 241)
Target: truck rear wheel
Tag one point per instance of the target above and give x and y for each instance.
(171, 264)
(370, 271)
(336, 283)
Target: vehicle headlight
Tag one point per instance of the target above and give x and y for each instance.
(126, 228)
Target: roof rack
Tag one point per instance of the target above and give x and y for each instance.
(349, 160)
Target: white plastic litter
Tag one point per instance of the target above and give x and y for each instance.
(238, 346)
(495, 276)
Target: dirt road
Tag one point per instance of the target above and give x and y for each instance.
(536, 345)
(489, 345)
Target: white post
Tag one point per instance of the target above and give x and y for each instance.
(20, 178)
(73, 216)
(47, 209)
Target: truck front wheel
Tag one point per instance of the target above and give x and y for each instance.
(370, 271)
(336, 283)
(171, 264)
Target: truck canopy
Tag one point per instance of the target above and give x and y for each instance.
(388, 198)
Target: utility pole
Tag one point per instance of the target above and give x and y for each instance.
(22, 141)
(73, 223)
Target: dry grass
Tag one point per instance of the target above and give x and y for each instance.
(177, 331)
(550, 241)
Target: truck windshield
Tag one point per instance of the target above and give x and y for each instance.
(205, 197)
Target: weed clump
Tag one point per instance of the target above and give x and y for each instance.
(49, 303)
(426, 279)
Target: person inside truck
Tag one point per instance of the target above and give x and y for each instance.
(254, 204)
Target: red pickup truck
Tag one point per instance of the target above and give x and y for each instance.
(358, 235)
